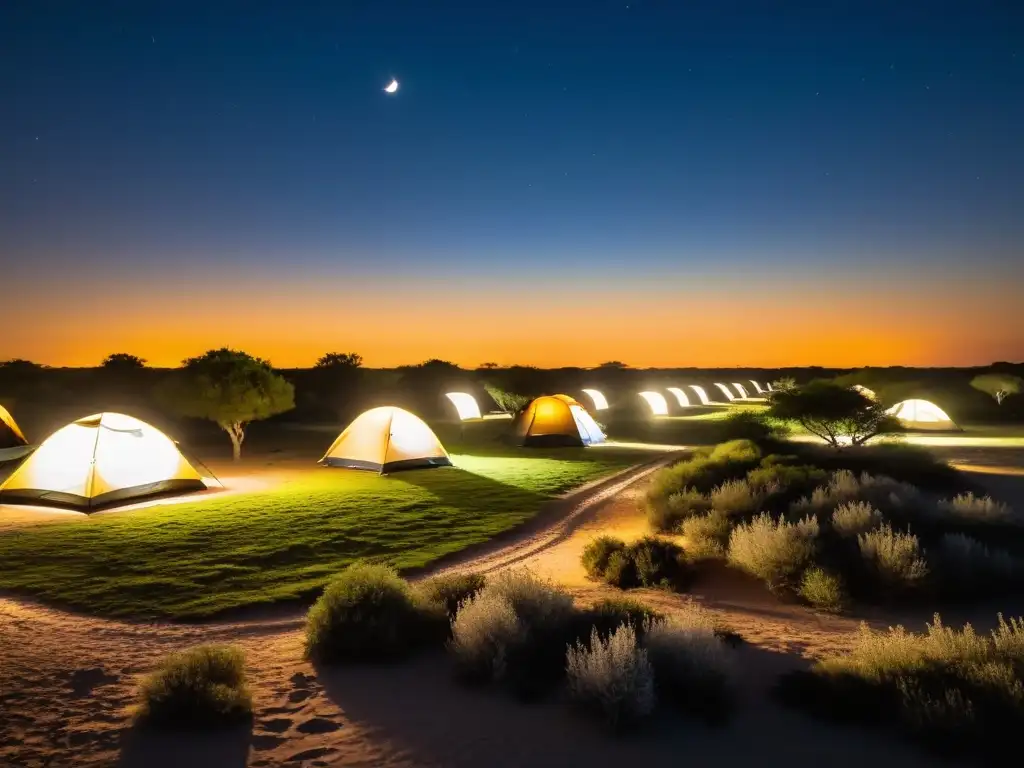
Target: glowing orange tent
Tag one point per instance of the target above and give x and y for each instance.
(10, 435)
(556, 420)
(104, 459)
(386, 439)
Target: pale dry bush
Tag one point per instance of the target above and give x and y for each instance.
(775, 551)
(854, 518)
(845, 487)
(735, 498)
(692, 615)
(706, 536)
(537, 602)
(977, 509)
(612, 676)
(1009, 639)
(894, 557)
(693, 667)
(483, 631)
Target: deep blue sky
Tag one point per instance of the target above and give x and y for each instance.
(613, 140)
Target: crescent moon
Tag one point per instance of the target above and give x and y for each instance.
(391, 87)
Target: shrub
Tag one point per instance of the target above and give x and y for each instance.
(621, 571)
(946, 687)
(678, 507)
(597, 553)
(969, 508)
(751, 426)
(368, 613)
(451, 590)
(736, 452)
(706, 536)
(894, 558)
(483, 632)
(965, 565)
(775, 551)
(854, 518)
(693, 668)
(203, 686)
(527, 654)
(659, 563)
(736, 498)
(822, 590)
(605, 615)
(844, 487)
(612, 676)
(780, 483)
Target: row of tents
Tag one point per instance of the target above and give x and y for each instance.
(111, 458)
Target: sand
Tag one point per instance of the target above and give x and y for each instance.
(67, 685)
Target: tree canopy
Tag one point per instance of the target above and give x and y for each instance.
(509, 402)
(122, 361)
(836, 414)
(998, 385)
(339, 360)
(229, 388)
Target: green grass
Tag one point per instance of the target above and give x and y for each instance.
(196, 559)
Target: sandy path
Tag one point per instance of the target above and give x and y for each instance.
(67, 683)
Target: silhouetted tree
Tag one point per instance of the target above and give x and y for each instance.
(488, 366)
(335, 381)
(998, 385)
(347, 360)
(122, 361)
(832, 412)
(229, 388)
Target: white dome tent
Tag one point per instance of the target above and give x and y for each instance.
(922, 415)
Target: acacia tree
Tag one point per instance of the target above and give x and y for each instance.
(122, 361)
(229, 388)
(334, 360)
(836, 414)
(998, 385)
(509, 402)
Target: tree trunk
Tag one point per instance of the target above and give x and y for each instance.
(1000, 396)
(236, 432)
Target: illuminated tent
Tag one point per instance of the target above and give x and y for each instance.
(657, 402)
(868, 393)
(680, 396)
(465, 404)
(727, 392)
(741, 390)
(386, 439)
(103, 459)
(556, 420)
(757, 387)
(701, 394)
(10, 435)
(600, 401)
(922, 415)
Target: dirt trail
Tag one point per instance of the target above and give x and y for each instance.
(67, 685)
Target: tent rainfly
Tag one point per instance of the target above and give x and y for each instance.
(386, 439)
(741, 390)
(757, 387)
(922, 415)
(556, 420)
(680, 396)
(727, 392)
(104, 459)
(10, 435)
(657, 402)
(701, 394)
(599, 400)
(465, 404)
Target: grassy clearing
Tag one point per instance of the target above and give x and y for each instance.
(200, 558)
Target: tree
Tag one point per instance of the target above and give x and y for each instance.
(998, 385)
(784, 384)
(488, 366)
(347, 360)
(509, 402)
(615, 364)
(229, 388)
(122, 361)
(836, 414)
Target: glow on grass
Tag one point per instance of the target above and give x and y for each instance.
(657, 403)
(465, 404)
(680, 396)
(726, 391)
(740, 390)
(599, 400)
(921, 414)
(701, 394)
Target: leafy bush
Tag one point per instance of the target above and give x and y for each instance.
(200, 687)
(678, 507)
(605, 615)
(451, 590)
(775, 551)
(822, 590)
(612, 676)
(854, 518)
(845, 487)
(780, 483)
(704, 471)
(706, 536)
(597, 553)
(737, 452)
(693, 668)
(368, 613)
(953, 690)
(751, 426)
(621, 571)
(969, 508)
(528, 653)
(894, 558)
(736, 498)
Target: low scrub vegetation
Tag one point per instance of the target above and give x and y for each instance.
(953, 690)
(973, 509)
(894, 558)
(451, 590)
(693, 667)
(200, 687)
(706, 536)
(854, 518)
(773, 549)
(369, 613)
(612, 676)
(606, 615)
(647, 562)
(822, 590)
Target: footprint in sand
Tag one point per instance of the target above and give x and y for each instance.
(82, 681)
(266, 741)
(311, 754)
(318, 725)
(299, 695)
(277, 725)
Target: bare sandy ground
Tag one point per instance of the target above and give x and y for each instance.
(67, 686)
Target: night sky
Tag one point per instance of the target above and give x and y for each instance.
(665, 183)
